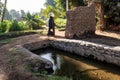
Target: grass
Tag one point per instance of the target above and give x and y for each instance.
(6, 41)
(19, 33)
(58, 78)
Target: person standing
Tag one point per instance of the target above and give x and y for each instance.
(51, 25)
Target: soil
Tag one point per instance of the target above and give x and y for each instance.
(102, 37)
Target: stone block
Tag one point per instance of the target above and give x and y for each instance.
(80, 21)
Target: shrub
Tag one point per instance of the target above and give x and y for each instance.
(15, 26)
(5, 26)
(43, 22)
(60, 23)
(112, 11)
(23, 25)
(34, 24)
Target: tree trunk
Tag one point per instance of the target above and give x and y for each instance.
(4, 9)
(101, 24)
(67, 5)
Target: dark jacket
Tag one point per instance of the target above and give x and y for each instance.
(51, 22)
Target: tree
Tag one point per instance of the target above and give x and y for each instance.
(72, 3)
(50, 3)
(1, 9)
(58, 6)
(7, 16)
(15, 15)
(67, 4)
(4, 9)
(33, 21)
(112, 12)
(23, 14)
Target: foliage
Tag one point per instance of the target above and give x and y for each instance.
(49, 9)
(5, 26)
(17, 33)
(33, 21)
(56, 9)
(15, 15)
(15, 26)
(59, 7)
(4, 10)
(61, 4)
(1, 9)
(43, 22)
(112, 11)
(60, 23)
(7, 16)
(50, 3)
(75, 3)
(6, 41)
(58, 78)
(23, 26)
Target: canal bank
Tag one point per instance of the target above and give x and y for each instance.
(97, 52)
(101, 52)
(12, 71)
(76, 67)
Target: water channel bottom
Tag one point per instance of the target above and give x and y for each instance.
(78, 68)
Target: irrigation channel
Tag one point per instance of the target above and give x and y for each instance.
(78, 68)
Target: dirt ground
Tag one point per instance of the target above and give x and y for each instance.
(105, 37)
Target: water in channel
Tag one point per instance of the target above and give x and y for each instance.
(79, 68)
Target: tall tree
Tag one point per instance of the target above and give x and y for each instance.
(1, 9)
(67, 4)
(23, 13)
(7, 16)
(50, 3)
(72, 3)
(4, 9)
(15, 15)
(112, 11)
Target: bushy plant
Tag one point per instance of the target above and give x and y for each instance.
(5, 26)
(36, 24)
(23, 25)
(112, 11)
(43, 22)
(33, 21)
(15, 26)
(60, 23)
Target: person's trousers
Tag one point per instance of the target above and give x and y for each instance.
(51, 31)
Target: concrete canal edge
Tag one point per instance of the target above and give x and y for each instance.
(109, 54)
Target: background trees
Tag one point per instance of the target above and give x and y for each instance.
(112, 12)
(4, 9)
(1, 10)
(111, 9)
(18, 20)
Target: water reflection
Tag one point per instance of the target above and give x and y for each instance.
(79, 68)
(54, 58)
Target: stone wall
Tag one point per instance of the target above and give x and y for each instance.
(81, 20)
(110, 54)
(36, 45)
